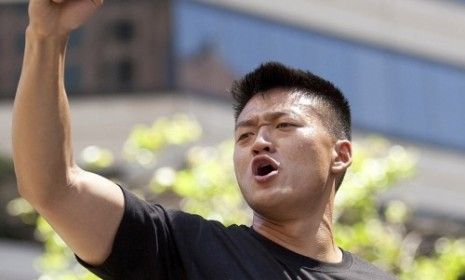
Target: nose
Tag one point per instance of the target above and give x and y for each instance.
(262, 142)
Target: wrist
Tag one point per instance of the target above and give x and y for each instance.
(46, 51)
(32, 35)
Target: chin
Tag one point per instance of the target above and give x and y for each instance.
(271, 213)
(268, 200)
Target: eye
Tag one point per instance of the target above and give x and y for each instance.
(284, 125)
(243, 136)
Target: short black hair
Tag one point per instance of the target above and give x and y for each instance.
(271, 75)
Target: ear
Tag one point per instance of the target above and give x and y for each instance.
(342, 156)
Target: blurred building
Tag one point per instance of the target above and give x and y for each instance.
(124, 48)
(401, 63)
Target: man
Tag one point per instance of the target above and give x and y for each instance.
(292, 148)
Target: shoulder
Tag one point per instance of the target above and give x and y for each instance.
(365, 270)
(183, 222)
(179, 222)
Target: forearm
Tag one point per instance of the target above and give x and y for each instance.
(42, 149)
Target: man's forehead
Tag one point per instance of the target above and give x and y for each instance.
(251, 119)
(277, 101)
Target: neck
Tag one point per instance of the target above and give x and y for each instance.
(311, 236)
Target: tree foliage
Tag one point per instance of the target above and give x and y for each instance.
(207, 186)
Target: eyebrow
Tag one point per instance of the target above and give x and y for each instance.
(268, 116)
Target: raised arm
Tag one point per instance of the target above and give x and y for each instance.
(83, 208)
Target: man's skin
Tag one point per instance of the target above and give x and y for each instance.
(292, 206)
(83, 208)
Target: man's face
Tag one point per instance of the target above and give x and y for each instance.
(282, 155)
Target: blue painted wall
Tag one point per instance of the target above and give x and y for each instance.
(389, 92)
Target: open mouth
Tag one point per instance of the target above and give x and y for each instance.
(265, 170)
(264, 167)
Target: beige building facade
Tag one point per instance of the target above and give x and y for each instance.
(126, 47)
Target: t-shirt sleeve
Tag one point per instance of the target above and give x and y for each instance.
(144, 247)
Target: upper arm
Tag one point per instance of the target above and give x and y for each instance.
(86, 215)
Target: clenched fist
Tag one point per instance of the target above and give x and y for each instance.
(59, 17)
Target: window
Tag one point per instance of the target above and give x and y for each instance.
(123, 31)
(20, 42)
(125, 74)
(75, 39)
(73, 78)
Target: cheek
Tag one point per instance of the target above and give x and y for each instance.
(299, 149)
(307, 157)
(239, 160)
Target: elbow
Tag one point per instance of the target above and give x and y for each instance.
(25, 190)
(42, 191)
(37, 196)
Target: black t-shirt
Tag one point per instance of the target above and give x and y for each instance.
(154, 243)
